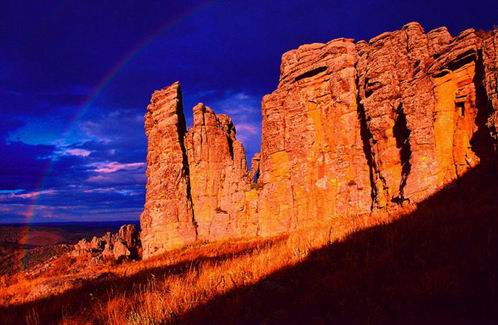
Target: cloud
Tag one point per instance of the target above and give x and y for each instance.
(34, 194)
(120, 126)
(23, 166)
(81, 179)
(114, 166)
(250, 135)
(9, 125)
(78, 152)
(125, 192)
(15, 195)
(10, 191)
(247, 128)
(120, 178)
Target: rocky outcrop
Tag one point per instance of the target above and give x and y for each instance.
(123, 245)
(490, 81)
(311, 167)
(352, 128)
(167, 220)
(218, 168)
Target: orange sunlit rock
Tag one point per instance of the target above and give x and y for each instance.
(352, 128)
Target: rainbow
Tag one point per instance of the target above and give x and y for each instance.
(100, 86)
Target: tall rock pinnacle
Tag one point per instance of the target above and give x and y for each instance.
(218, 170)
(167, 220)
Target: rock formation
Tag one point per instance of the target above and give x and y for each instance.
(167, 220)
(125, 244)
(217, 166)
(352, 128)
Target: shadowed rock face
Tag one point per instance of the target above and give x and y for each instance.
(352, 128)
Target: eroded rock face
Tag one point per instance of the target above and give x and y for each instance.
(123, 245)
(218, 170)
(312, 159)
(167, 219)
(352, 128)
(422, 95)
(490, 81)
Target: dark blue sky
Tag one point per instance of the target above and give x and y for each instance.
(76, 76)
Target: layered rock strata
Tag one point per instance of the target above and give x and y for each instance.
(352, 128)
(218, 168)
(167, 220)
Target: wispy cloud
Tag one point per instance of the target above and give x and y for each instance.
(125, 192)
(10, 191)
(117, 127)
(248, 128)
(78, 152)
(114, 166)
(119, 178)
(34, 194)
(26, 195)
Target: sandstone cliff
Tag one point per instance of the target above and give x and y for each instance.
(352, 128)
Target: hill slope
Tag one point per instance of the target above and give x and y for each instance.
(437, 264)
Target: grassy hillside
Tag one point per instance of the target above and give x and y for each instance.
(436, 264)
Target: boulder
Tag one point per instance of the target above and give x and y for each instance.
(123, 245)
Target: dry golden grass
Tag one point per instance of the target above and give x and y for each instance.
(167, 298)
(163, 288)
